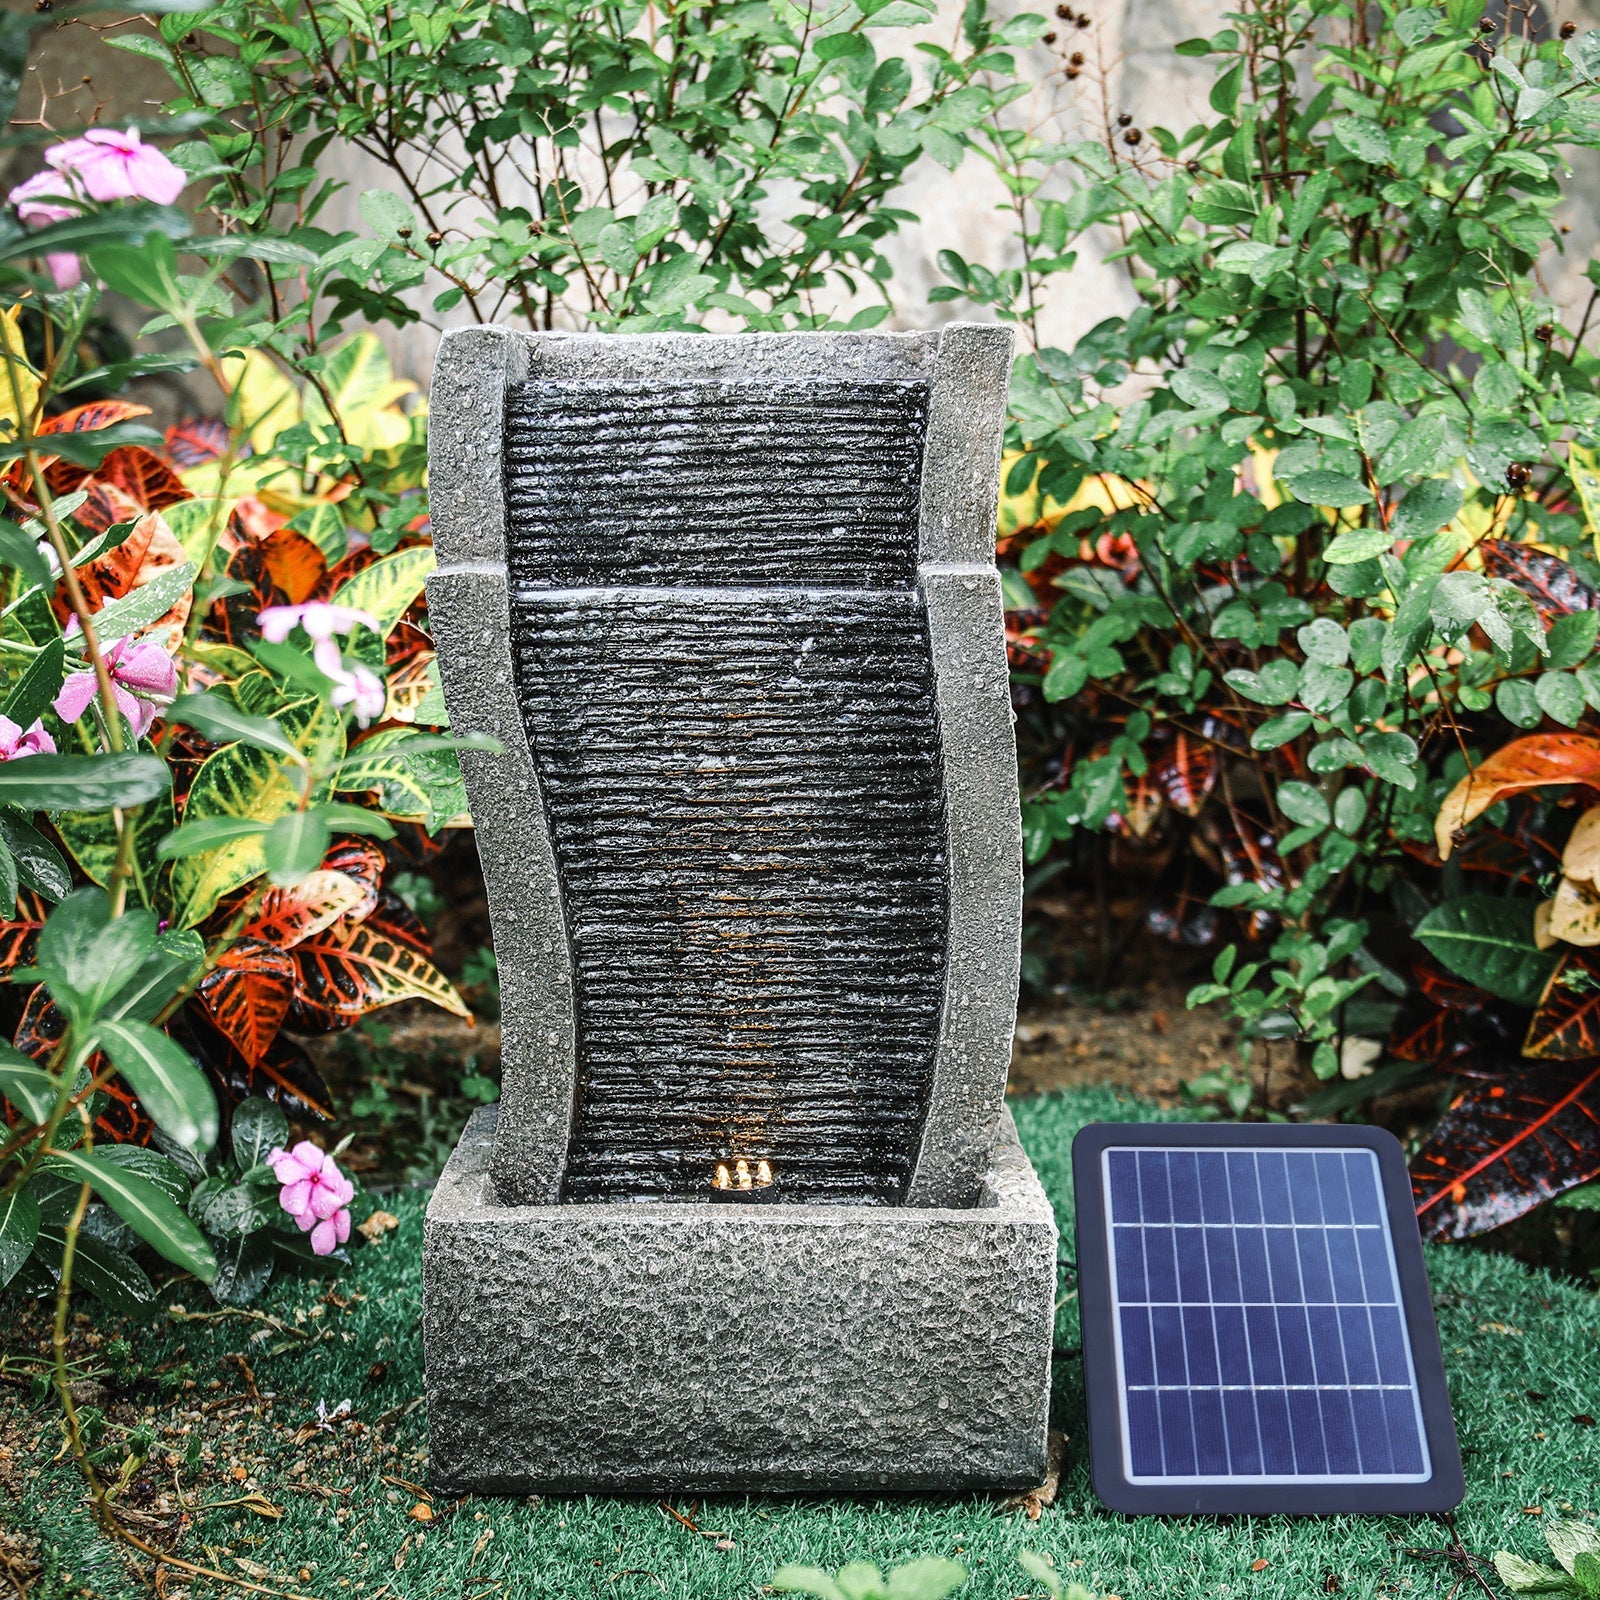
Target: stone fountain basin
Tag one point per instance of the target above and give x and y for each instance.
(681, 1346)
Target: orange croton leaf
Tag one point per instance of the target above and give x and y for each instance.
(247, 995)
(350, 969)
(293, 563)
(96, 414)
(143, 476)
(151, 549)
(289, 916)
(1541, 760)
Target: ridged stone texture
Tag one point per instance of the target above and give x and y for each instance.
(716, 483)
(741, 777)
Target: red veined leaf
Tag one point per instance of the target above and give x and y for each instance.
(284, 1074)
(288, 916)
(350, 968)
(1551, 583)
(1023, 651)
(1505, 1145)
(197, 442)
(253, 520)
(1566, 1025)
(1141, 807)
(41, 1028)
(1456, 1038)
(1541, 760)
(415, 844)
(149, 550)
(143, 476)
(1446, 989)
(96, 414)
(247, 995)
(362, 860)
(360, 557)
(1426, 1033)
(1186, 771)
(17, 940)
(106, 505)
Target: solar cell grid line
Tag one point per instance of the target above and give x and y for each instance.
(1257, 1331)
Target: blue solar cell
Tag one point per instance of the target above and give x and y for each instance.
(1260, 1332)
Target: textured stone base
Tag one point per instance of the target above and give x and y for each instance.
(647, 1347)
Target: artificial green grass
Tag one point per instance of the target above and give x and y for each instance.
(1506, 1331)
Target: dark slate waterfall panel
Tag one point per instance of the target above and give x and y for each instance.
(725, 672)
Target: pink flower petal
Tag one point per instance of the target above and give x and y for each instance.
(309, 1156)
(285, 1168)
(297, 1198)
(76, 693)
(147, 668)
(324, 1201)
(305, 1221)
(66, 270)
(324, 1238)
(341, 1226)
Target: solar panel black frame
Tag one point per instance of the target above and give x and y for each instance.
(1440, 1491)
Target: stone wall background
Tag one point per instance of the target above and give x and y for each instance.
(1130, 67)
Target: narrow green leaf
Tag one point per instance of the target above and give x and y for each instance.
(1489, 941)
(172, 1088)
(150, 1213)
(37, 688)
(222, 722)
(26, 1084)
(19, 1229)
(82, 783)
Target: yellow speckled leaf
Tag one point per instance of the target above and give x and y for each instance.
(239, 781)
(388, 587)
(1584, 468)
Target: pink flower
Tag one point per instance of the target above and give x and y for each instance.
(118, 166)
(17, 742)
(358, 687)
(143, 679)
(66, 270)
(315, 1193)
(320, 620)
(45, 197)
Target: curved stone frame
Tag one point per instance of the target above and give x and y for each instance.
(967, 367)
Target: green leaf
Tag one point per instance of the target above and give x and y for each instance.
(1489, 942)
(294, 846)
(82, 783)
(1363, 139)
(1418, 446)
(1570, 1540)
(1324, 641)
(1203, 390)
(1323, 488)
(1067, 675)
(86, 955)
(19, 1229)
(1528, 1577)
(148, 603)
(111, 1275)
(1426, 509)
(144, 1207)
(26, 1084)
(1409, 631)
(1280, 730)
(196, 838)
(1357, 544)
(1300, 803)
(388, 588)
(240, 784)
(39, 863)
(1516, 701)
(19, 551)
(176, 959)
(172, 1088)
(806, 1580)
(33, 693)
(1560, 698)
(222, 722)
(1571, 638)
(259, 1127)
(1392, 757)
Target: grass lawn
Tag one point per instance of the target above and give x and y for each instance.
(263, 1488)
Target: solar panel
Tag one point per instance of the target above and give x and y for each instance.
(1257, 1329)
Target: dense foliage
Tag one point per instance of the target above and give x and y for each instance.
(1301, 541)
(570, 164)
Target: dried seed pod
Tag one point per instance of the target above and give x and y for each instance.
(1544, 333)
(1517, 474)
(1077, 58)
(435, 240)
(404, 233)
(1070, 73)
(1132, 136)
(1125, 120)
(1064, 12)
(1568, 29)
(1083, 21)
(1050, 38)
(1487, 25)
(44, 6)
